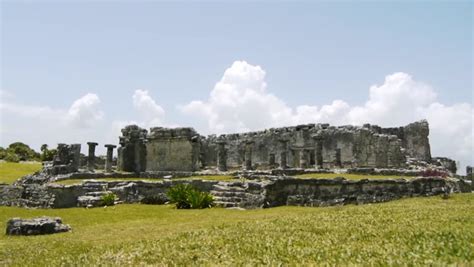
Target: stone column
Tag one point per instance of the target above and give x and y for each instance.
(318, 153)
(302, 155)
(283, 154)
(76, 156)
(221, 156)
(91, 156)
(469, 172)
(109, 158)
(248, 155)
(61, 155)
(338, 162)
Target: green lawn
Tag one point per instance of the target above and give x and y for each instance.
(417, 231)
(10, 171)
(349, 176)
(209, 178)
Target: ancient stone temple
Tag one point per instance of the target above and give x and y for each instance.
(304, 146)
(172, 149)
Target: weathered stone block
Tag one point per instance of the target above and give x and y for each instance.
(36, 226)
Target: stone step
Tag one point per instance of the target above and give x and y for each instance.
(229, 199)
(228, 188)
(228, 193)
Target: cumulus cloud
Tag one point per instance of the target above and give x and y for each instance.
(36, 125)
(85, 111)
(241, 102)
(150, 112)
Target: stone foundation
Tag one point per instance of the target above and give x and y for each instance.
(275, 191)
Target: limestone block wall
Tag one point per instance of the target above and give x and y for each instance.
(303, 146)
(308, 146)
(173, 149)
(327, 192)
(132, 153)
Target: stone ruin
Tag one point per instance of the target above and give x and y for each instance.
(262, 163)
(36, 226)
(318, 146)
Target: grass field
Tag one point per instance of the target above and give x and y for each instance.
(10, 171)
(419, 231)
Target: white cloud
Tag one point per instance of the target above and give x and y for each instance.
(36, 125)
(240, 102)
(151, 113)
(85, 111)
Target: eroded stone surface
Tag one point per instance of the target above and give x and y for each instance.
(304, 146)
(36, 226)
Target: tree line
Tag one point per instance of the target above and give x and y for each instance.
(19, 151)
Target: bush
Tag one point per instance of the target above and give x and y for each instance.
(12, 157)
(23, 151)
(108, 199)
(200, 200)
(3, 152)
(185, 196)
(47, 154)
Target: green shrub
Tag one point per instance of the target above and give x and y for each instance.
(185, 196)
(109, 199)
(47, 154)
(199, 200)
(23, 151)
(12, 157)
(3, 152)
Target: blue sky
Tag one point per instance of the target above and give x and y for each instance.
(311, 54)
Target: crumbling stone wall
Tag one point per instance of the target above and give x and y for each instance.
(173, 149)
(66, 160)
(275, 190)
(328, 192)
(304, 146)
(414, 137)
(310, 145)
(446, 163)
(132, 153)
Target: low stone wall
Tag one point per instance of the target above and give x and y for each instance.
(298, 171)
(148, 175)
(10, 195)
(276, 190)
(375, 171)
(327, 192)
(65, 196)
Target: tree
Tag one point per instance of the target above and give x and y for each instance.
(46, 154)
(22, 151)
(3, 152)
